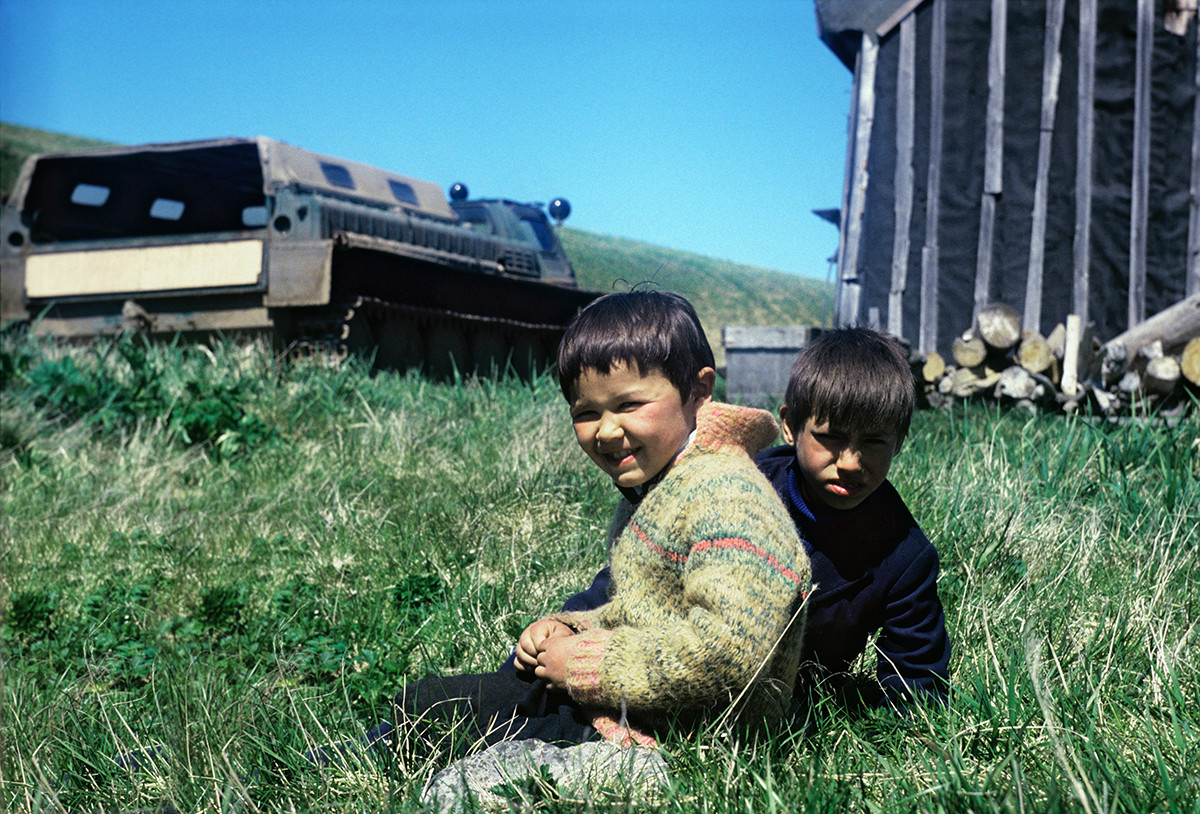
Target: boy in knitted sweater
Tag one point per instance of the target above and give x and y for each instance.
(706, 607)
(847, 409)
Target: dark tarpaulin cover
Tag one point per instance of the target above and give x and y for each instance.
(968, 34)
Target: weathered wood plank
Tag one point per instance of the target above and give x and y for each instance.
(993, 153)
(1051, 70)
(849, 285)
(929, 255)
(1084, 138)
(905, 126)
(1071, 360)
(1140, 184)
(839, 293)
(904, 12)
(1172, 326)
(993, 158)
(1192, 286)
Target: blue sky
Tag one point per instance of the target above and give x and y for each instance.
(711, 127)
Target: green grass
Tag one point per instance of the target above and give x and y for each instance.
(241, 594)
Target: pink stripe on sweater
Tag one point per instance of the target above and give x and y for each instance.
(747, 546)
(724, 542)
(655, 547)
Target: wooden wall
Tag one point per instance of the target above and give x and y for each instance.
(1044, 154)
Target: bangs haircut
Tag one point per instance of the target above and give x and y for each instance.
(854, 378)
(652, 330)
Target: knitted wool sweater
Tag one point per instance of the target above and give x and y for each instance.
(709, 581)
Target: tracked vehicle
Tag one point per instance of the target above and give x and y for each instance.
(242, 236)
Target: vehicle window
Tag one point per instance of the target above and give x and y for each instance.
(166, 209)
(541, 231)
(337, 175)
(89, 195)
(254, 216)
(403, 192)
(473, 216)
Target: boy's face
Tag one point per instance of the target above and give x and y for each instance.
(632, 424)
(841, 467)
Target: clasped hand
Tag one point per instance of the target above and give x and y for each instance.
(545, 649)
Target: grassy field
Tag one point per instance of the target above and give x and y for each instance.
(233, 560)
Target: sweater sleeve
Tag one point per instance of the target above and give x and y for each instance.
(913, 648)
(690, 637)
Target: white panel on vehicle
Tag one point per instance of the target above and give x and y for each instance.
(152, 268)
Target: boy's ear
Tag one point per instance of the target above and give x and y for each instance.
(706, 381)
(789, 437)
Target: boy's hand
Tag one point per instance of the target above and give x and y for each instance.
(552, 660)
(532, 638)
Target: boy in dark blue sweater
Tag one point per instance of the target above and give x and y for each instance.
(847, 409)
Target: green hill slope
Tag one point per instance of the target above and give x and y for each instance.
(18, 143)
(723, 292)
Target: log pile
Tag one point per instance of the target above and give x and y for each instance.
(1154, 366)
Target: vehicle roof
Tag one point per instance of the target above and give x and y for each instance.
(286, 165)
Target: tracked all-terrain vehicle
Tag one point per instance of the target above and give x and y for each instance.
(254, 235)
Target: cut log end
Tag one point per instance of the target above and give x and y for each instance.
(933, 368)
(1189, 361)
(1035, 354)
(968, 351)
(999, 326)
(1162, 375)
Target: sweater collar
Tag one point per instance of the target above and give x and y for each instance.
(635, 494)
(871, 522)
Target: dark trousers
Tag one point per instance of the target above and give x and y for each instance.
(493, 707)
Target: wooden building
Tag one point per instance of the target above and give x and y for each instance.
(1044, 154)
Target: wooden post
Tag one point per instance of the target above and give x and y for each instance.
(849, 285)
(993, 154)
(1070, 376)
(1172, 326)
(839, 292)
(933, 188)
(902, 13)
(1140, 184)
(1051, 69)
(1084, 137)
(1192, 286)
(905, 102)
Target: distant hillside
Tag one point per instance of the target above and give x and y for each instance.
(723, 292)
(18, 143)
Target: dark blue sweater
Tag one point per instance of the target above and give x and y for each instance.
(873, 571)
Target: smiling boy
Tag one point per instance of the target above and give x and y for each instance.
(705, 608)
(846, 412)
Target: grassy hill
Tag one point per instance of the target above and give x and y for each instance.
(723, 292)
(18, 143)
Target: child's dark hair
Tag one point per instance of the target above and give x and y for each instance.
(654, 330)
(852, 378)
